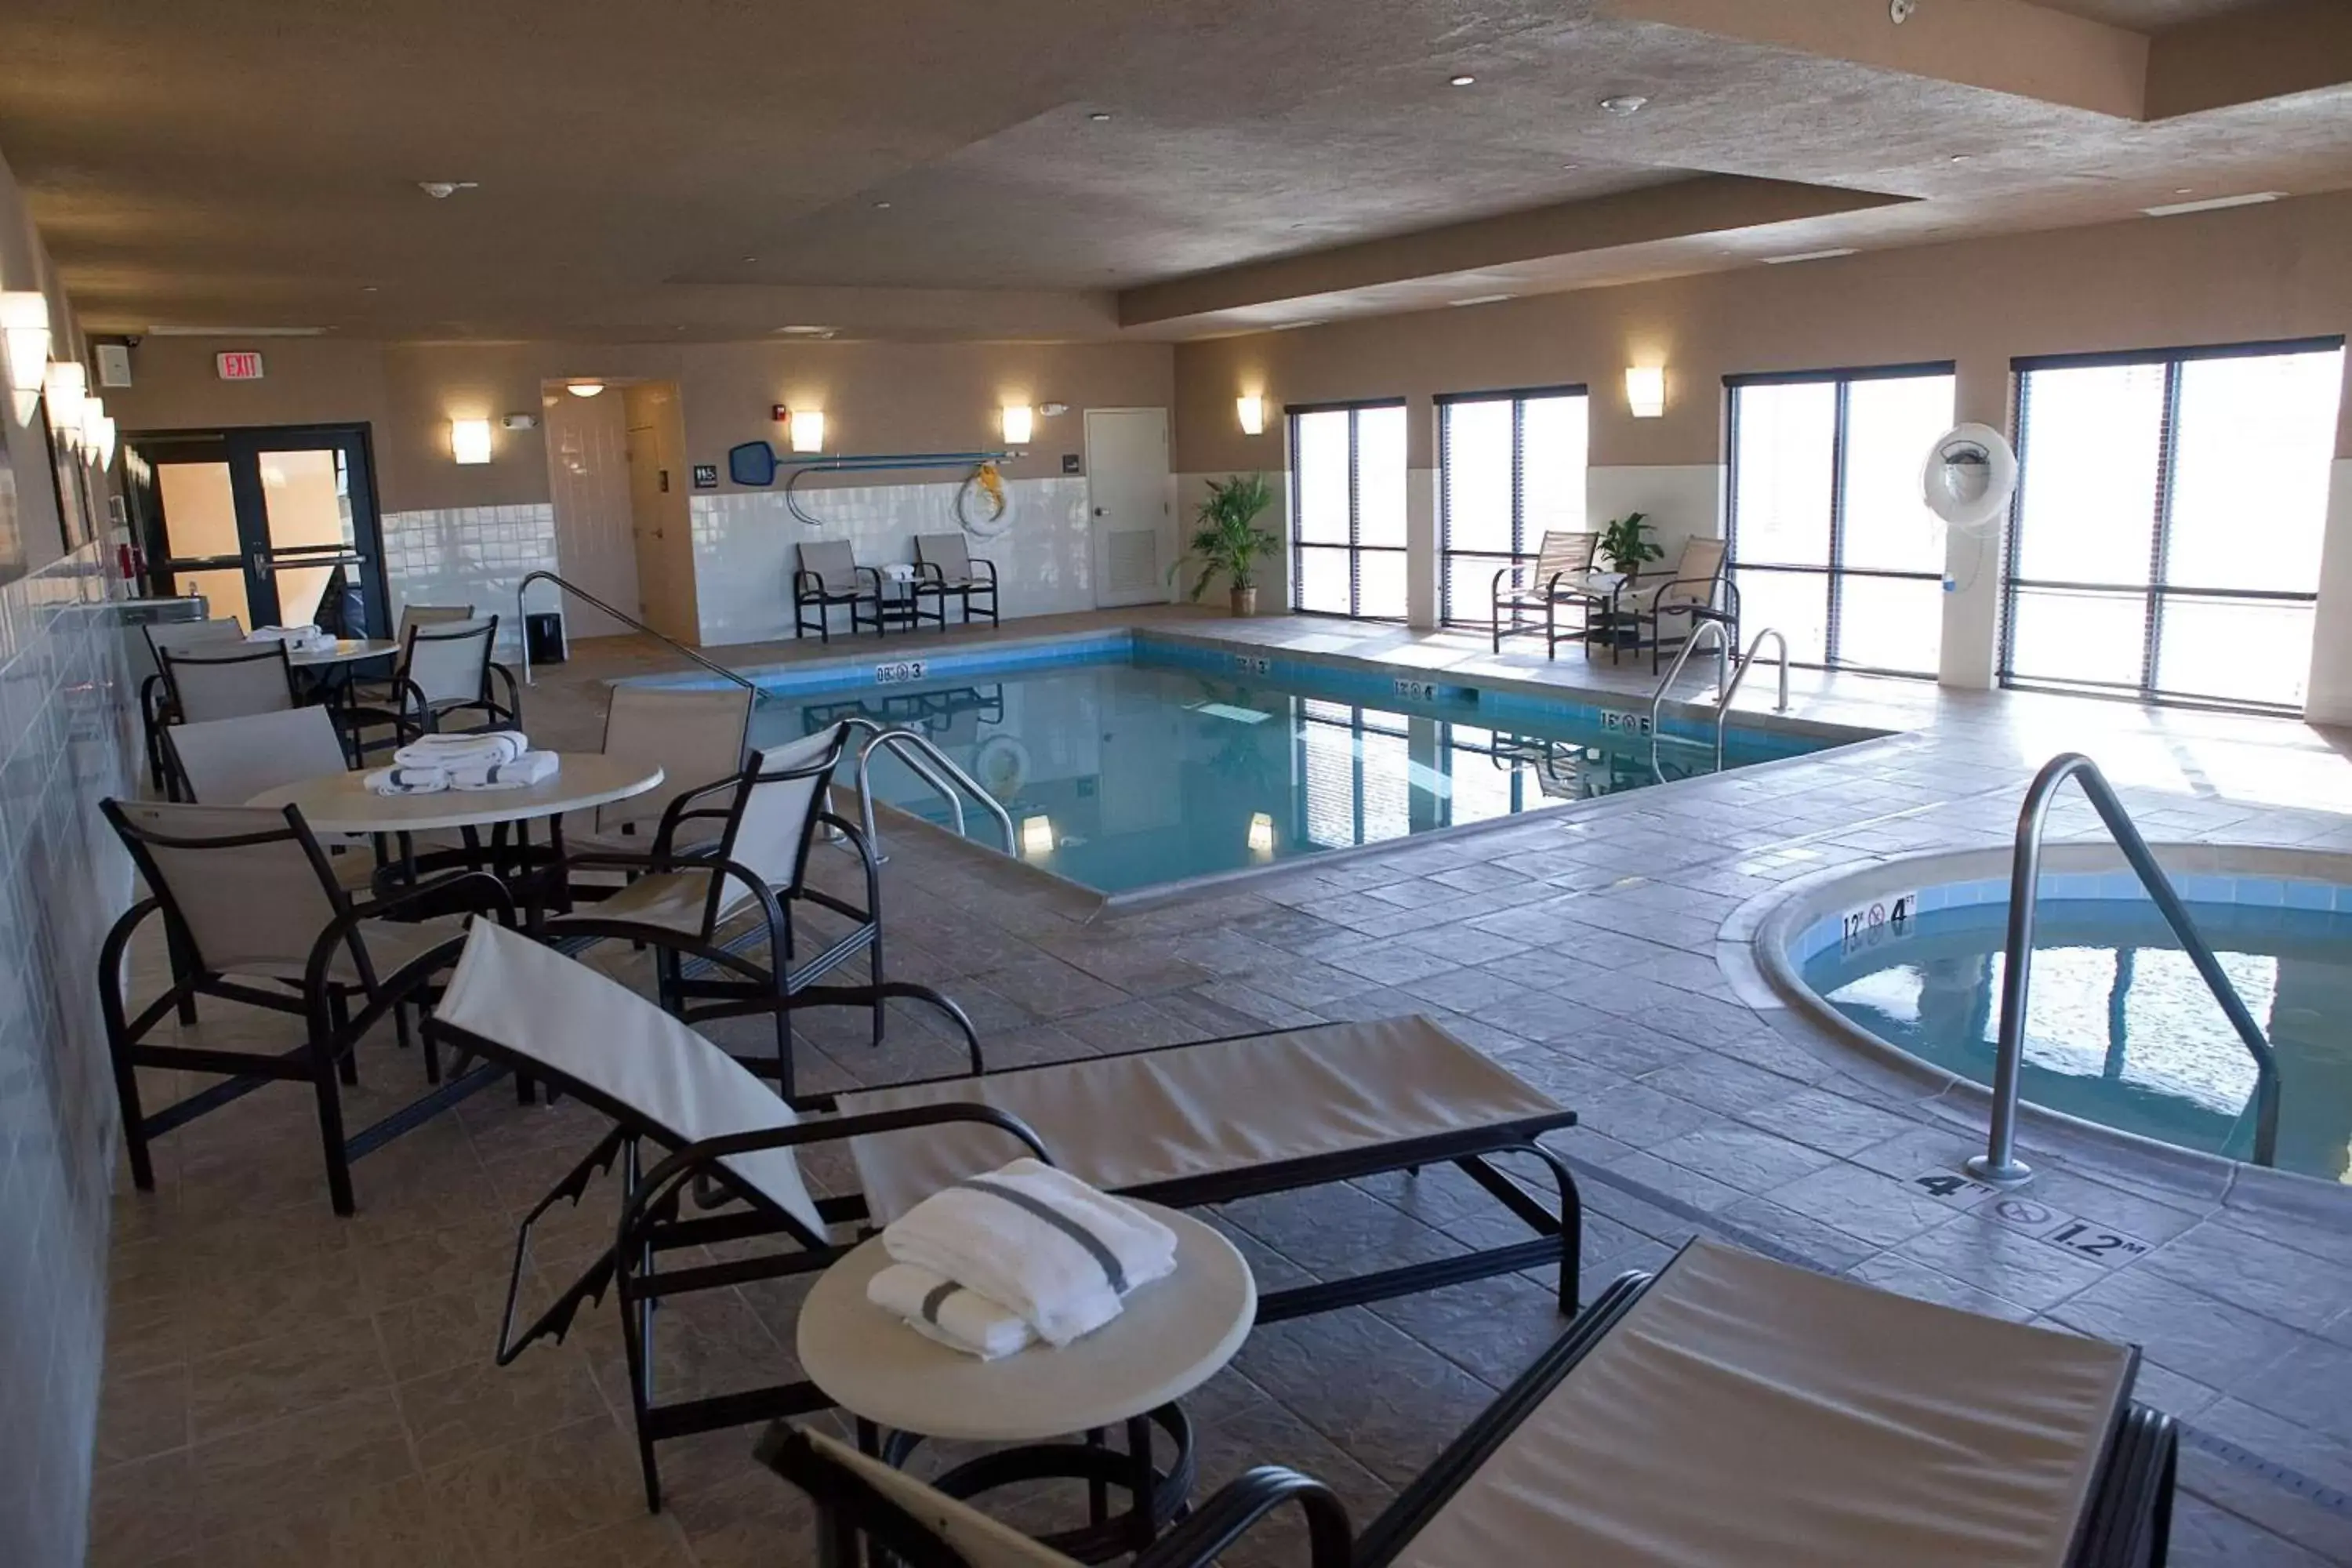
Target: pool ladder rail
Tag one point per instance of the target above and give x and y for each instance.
(926, 761)
(1726, 683)
(1999, 1164)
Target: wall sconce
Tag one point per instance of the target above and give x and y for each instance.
(1260, 833)
(1036, 835)
(106, 441)
(93, 415)
(807, 426)
(470, 440)
(1250, 408)
(1020, 424)
(1645, 390)
(24, 321)
(68, 383)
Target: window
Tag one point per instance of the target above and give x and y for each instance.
(1511, 466)
(1347, 509)
(2165, 543)
(1830, 541)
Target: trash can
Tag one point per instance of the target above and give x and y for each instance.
(543, 635)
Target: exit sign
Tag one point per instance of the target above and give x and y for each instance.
(243, 365)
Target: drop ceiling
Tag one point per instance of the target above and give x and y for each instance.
(717, 169)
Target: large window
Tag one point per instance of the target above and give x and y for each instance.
(1510, 467)
(1830, 541)
(2165, 543)
(1347, 509)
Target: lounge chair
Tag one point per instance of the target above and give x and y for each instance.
(946, 561)
(829, 574)
(1728, 1411)
(253, 912)
(1185, 1125)
(1543, 587)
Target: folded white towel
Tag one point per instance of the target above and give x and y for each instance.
(531, 768)
(408, 779)
(298, 639)
(451, 750)
(1038, 1240)
(959, 1318)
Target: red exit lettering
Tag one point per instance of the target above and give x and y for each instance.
(243, 365)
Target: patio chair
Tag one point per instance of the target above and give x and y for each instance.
(829, 574)
(945, 561)
(227, 762)
(1690, 594)
(1727, 1410)
(1544, 586)
(445, 670)
(221, 679)
(383, 692)
(683, 895)
(154, 698)
(253, 912)
(696, 737)
(1186, 1125)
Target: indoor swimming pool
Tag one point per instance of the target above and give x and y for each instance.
(2120, 1030)
(1130, 762)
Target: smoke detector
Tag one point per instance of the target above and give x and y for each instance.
(1899, 11)
(442, 190)
(1624, 103)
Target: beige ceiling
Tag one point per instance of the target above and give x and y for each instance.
(717, 168)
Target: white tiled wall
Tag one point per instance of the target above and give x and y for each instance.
(470, 555)
(743, 548)
(64, 743)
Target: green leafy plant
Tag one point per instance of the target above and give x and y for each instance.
(1227, 538)
(1627, 544)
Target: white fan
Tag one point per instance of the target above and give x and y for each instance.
(1971, 475)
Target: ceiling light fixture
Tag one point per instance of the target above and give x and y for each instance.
(806, 331)
(2213, 203)
(1100, 116)
(881, 207)
(25, 326)
(1959, 158)
(1810, 255)
(442, 190)
(66, 385)
(1624, 103)
(1464, 81)
(583, 388)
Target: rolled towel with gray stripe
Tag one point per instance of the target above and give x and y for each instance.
(529, 768)
(1038, 1241)
(403, 779)
(439, 751)
(957, 1316)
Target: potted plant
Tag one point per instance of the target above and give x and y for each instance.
(1228, 539)
(1627, 544)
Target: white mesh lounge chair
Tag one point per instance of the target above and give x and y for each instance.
(446, 681)
(1185, 1125)
(1729, 1412)
(684, 895)
(252, 911)
(154, 698)
(1529, 596)
(946, 560)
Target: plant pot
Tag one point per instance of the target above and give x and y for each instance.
(1246, 601)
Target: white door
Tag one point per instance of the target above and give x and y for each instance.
(1127, 499)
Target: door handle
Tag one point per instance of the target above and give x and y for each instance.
(1102, 511)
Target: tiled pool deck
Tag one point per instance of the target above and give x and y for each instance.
(285, 1387)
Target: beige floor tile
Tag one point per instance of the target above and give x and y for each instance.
(143, 1512)
(394, 1526)
(301, 1369)
(509, 1501)
(470, 1408)
(306, 1461)
(143, 1414)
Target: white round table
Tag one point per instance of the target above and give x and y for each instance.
(342, 803)
(1174, 1335)
(347, 650)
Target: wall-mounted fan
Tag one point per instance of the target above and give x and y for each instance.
(1971, 474)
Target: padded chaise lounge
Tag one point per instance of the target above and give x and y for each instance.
(1730, 1412)
(1203, 1123)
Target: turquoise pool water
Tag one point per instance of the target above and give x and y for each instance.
(1133, 767)
(2121, 1031)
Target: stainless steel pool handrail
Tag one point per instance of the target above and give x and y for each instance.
(931, 764)
(1726, 688)
(1739, 673)
(1682, 658)
(1998, 1163)
(577, 592)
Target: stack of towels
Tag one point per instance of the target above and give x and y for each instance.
(1024, 1253)
(501, 759)
(298, 639)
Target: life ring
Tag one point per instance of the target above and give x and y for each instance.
(1002, 765)
(1971, 474)
(984, 502)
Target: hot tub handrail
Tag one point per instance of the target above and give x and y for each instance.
(1998, 1163)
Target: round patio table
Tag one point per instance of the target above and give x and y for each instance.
(347, 650)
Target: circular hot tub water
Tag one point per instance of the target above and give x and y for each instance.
(2121, 1032)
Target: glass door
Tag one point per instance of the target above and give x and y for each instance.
(276, 527)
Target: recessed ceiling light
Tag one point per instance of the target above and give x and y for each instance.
(2186, 191)
(1100, 116)
(750, 259)
(442, 190)
(234, 332)
(1571, 165)
(881, 207)
(367, 288)
(1808, 256)
(1481, 300)
(806, 331)
(2212, 203)
(1624, 103)
(1466, 80)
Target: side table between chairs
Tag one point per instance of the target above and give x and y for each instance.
(1174, 1335)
